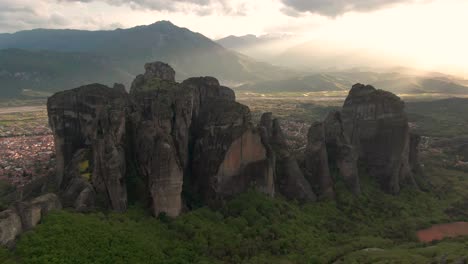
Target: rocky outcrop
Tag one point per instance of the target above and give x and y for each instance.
(317, 169)
(155, 71)
(164, 135)
(228, 154)
(289, 179)
(92, 119)
(160, 122)
(33, 211)
(370, 136)
(342, 155)
(378, 128)
(10, 227)
(168, 141)
(25, 215)
(79, 192)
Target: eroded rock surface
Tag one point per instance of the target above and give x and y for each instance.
(10, 227)
(31, 212)
(289, 179)
(317, 169)
(342, 155)
(25, 215)
(163, 135)
(161, 123)
(92, 118)
(228, 153)
(154, 71)
(167, 138)
(370, 136)
(378, 128)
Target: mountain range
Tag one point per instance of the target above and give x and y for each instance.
(53, 60)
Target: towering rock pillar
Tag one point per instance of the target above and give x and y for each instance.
(378, 128)
(228, 154)
(89, 125)
(161, 120)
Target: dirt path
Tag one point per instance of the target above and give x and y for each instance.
(439, 232)
(20, 109)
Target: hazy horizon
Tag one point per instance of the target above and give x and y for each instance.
(424, 35)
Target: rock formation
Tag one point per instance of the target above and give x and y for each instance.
(162, 138)
(168, 141)
(342, 155)
(317, 170)
(25, 215)
(228, 154)
(160, 121)
(91, 120)
(370, 136)
(289, 179)
(377, 125)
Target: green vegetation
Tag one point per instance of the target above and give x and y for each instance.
(7, 196)
(371, 228)
(85, 170)
(440, 118)
(253, 228)
(53, 60)
(39, 73)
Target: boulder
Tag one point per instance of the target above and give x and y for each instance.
(92, 118)
(10, 227)
(31, 212)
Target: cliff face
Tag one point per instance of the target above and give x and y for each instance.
(289, 179)
(89, 125)
(165, 137)
(370, 136)
(377, 125)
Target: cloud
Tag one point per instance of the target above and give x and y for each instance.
(333, 8)
(24, 14)
(199, 7)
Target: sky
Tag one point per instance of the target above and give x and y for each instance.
(426, 34)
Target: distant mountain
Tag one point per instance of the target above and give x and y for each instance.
(52, 71)
(264, 47)
(126, 51)
(341, 81)
(239, 42)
